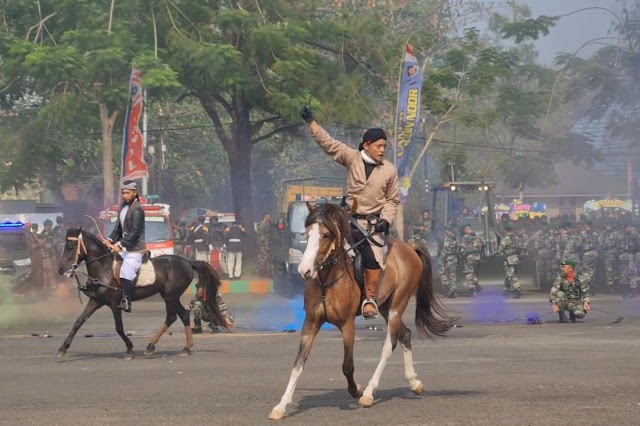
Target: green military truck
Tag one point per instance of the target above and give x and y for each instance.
(287, 237)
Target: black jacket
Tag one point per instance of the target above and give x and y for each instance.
(131, 234)
(199, 238)
(234, 237)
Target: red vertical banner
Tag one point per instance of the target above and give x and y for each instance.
(133, 164)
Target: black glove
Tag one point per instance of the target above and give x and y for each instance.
(307, 114)
(383, 227)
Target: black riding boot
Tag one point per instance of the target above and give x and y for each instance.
(128, 288)
(563, 317)
(197, 326)
(572, 316)
(517, 293)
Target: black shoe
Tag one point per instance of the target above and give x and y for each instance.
(517, 293)
(572, 316)
(451, 293)
(196, 330)
(563, 318)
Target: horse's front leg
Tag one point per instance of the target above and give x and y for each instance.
(310, 329)
(348, 337)
(117, 317)
(393, 325)
(91, 307)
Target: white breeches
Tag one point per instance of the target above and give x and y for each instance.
(131, 263)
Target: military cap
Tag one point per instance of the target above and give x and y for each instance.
(48, 223)
(466, 225)
(507, 227)
(569, 262)
(449, 228)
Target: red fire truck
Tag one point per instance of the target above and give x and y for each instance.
(157, 227)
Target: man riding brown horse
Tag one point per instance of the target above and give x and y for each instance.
(372, 185)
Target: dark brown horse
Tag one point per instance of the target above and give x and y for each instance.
(333, 295)
(173, 275)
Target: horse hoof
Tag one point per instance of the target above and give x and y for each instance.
(61, 354)
(276, 415)
(150, 350)
(419, 388)
(185, 352)
(365, 401)
(357, 393)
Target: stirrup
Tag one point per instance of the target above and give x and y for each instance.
(369, 302)
(125, 304)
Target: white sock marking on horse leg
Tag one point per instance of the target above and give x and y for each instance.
(291, 387)
(409, 372)
(386, 353)
(309, 256)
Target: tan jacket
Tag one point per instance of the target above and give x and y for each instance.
(379, 194)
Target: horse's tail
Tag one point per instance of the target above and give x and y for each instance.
(431, 316)
(209, 279)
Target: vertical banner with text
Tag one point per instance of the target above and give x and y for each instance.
(408, 117)
(133, 164)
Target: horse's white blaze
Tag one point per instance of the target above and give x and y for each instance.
(386, 353)
(310, 253)
(288, 394)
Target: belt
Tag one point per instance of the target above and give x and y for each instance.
(234, 240)
(365, 216)
(198, 241)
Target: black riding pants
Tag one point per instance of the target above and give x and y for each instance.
(368, 258)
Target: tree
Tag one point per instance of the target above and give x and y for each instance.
(71, 62)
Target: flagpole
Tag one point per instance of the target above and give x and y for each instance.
(399, 220)
(145, 180)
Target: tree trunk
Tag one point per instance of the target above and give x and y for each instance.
(107, 121)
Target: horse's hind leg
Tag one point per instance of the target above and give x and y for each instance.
(185, 315)
(117, 317)
(170, 319)
(91, 307)
(348, 336)
(404, 335)
(309, 331)
(393, 325)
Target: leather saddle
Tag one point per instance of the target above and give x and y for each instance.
(146, 274)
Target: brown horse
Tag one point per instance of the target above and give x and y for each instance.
(333, 295)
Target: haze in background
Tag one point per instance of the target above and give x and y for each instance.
(573, 31)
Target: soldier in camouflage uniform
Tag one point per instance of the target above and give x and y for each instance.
(59, 236)
(569, 294)
(201, 311)
(48, 254)
(628, 248)
(471, 248)
(589, 241)
(608, 244)
(264, 248)
(572, 243)
(449, 261)
(421, 231)
(509, 248)
(543, 248)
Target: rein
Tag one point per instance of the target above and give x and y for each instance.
(81, 248)
(330, 262)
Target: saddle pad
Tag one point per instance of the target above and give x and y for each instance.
(146, 274)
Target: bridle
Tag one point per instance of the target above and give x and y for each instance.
(81, 249)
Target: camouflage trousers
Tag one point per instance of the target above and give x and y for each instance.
(201, 311)
(628, 275)
(448, 269)
(510, 278)
(265, 266)
(588, 266)
(610, 268)
(470, 269)
(573, 305)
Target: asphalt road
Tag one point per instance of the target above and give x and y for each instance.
(493, 370)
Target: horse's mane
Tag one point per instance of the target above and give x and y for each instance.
(333, 217)
(95, 239)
